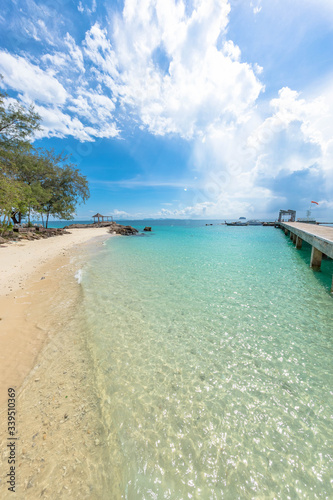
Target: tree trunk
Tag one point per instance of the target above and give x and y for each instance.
(15, 219)
(13, 216)
(47, 219)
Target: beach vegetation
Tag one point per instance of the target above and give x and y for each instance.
(17, 124)
(64, 187)
(34, 182)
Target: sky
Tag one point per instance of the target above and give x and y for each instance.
(172, 109)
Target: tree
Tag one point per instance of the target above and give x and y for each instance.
(33, 180)
(11, 193)
(65, 185)
(28, 166)
(17, 124)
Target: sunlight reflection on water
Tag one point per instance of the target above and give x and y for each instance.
(212, 351)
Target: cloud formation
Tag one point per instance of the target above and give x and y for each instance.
(178, 70)
(171, 68)
(53, 102)
(30, 80)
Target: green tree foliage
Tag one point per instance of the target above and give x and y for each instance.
(18, 169)
(34, 181)
(64, 185)
(11, 194)
(17, 124)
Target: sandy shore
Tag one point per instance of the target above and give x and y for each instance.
(43, 357)
(30, 274)
(19, 260)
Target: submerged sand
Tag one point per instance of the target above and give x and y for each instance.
(60, 437)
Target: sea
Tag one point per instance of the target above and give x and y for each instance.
(212, 351)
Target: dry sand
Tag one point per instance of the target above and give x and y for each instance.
(30, 274)
(42, 355)
(19, 260)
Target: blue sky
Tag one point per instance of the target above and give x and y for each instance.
(198, 109)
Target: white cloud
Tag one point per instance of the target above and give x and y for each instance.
(90, 10)
(121, 214)
(92, 110)
(74, 52)
(37, 20)
(56, 123)
(165, 65)
(162, 65)
(253, 203)
(32, 32)
(239, 163)
(170, 68)
(29, 79)
(59, 124)
(70, 59)
(56, 60)
(295, 122)
(326, 204)
(256, 8)
(97, 109)
(98, 48)
(231, 50)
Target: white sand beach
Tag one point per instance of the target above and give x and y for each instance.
(19, 260)
(30, 274)
(58, 423)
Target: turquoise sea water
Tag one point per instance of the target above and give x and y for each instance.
(212, 349)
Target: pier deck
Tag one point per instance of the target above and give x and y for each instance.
(319, 237)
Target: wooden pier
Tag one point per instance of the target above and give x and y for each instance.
(319, 237)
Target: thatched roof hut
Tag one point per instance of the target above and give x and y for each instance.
(98, 216)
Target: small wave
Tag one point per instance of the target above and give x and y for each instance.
(78, 276)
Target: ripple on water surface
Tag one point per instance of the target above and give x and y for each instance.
(213, 352)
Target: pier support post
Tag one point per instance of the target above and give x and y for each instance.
(294, 238)
(299, 242)
(291, 235)
(316, 256)
(286, 232)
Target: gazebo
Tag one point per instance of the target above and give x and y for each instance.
(98, 216)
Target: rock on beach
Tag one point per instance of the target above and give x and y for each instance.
(114, 227)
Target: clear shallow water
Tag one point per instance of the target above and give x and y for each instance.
(212, 349)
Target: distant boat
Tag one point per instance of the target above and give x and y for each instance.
(307, 220)
(237, 223)
(254, 222)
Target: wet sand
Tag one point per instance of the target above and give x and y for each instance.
(60, 437)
